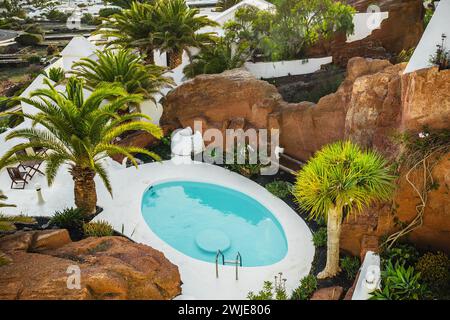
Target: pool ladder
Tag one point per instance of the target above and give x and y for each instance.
(237, 262)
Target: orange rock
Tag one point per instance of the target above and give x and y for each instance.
(331, 293)
(110, 268)
(50, 239)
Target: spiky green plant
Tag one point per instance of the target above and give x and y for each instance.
(341, 178)
(55, 74)
(178, 29)
(124, 67)
(79, 132)
(98, 229)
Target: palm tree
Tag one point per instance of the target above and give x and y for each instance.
(79, 132)
(217, 59)
(124, 67)
(132, 28)
(178, 29)
(223, 5)
(55, 74)
(341, 178)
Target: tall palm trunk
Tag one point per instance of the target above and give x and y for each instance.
(149, 55)
(333, 234)
(175, 58)
(85, 192)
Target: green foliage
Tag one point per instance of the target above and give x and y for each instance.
(125, 68)
(441, 58)
(98, 229)
(306, 288)
(244, 162)
(404, 254)
(400, 283)
(52, 50)
(56, 15)
(271, 291)
(289, 30)
(56, 74)
(18, 218)
(223, 5)
(320, 237)
(88, 19)
(107, 12)
(435, 271)
(3, 204)
(79, 131)
(350, 265)
(69, 218)
(342, 175)
(170, 26)
(405, 55)
(279, 188)
(217, 58)
(35, 29)
(34, 59)
(29, 39)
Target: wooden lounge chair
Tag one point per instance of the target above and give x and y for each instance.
(18, 178)
(30, 166)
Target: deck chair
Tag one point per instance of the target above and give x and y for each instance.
(18, 178)
(30, 166)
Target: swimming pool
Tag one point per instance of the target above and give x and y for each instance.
(198, 218)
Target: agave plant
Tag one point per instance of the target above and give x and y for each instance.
(341, 178)
(79, 132)
(124, 67)
(55, 74)
(132, 28)
(178, 29)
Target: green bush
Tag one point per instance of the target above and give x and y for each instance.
(55, 74)
(98, 229)
(52, 50)
(56, 15)
(280, 189)
(70, 218)
(350, 265)
(29, 39)
(320, 237)
(435, 271)
(34, 59)
(35, 29)
(404, 254)
(106, 12)
(400, 283)
(307, 287)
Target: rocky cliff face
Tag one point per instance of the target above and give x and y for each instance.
(374, 101)
(403, 29)
(37, 265)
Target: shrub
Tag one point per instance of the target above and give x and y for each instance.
(307, 287)
(280, 189)
(70, 218)
(56, 15)
(271, 291)
(350, 265)
(34, 59)
(88, 18)
(320, 237)
(404, 254)
(435, 270)
(247, 168)
(98, 229)
(35, 29)
(29, 39)
(52, 50)
(56, 74)
(399, 283)
(106, 12)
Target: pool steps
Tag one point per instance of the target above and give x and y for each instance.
(237, 262)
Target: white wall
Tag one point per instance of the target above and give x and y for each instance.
(439, 24)
(365, 23)
(285, 68)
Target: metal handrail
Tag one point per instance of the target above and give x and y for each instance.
(237, 262)
(217, 261)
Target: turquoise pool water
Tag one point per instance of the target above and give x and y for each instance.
(199, 218)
